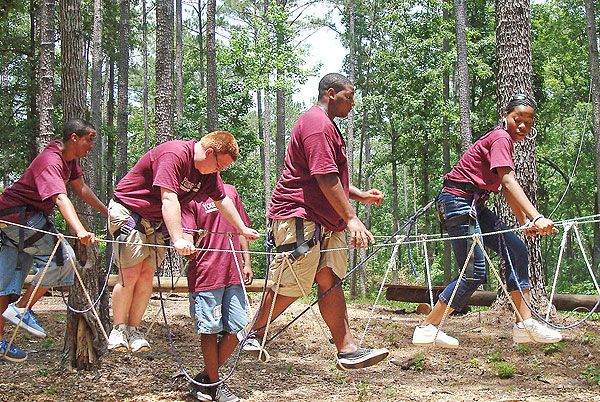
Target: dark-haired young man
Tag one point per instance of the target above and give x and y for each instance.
(311, 201)
(29, 202)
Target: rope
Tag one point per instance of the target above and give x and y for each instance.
(427, 270)
(104, 286)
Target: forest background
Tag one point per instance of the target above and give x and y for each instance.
(146, 72)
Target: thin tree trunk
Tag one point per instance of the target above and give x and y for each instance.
(515, 71)
(446, 149)
(122, 93)
(34, 64)
(460, 11)
(110, 128)
(212, 102)
(280, 134)
(595, 77)
(145, 72)
(395, 211)
(163, 102)
(178, 60)
(201, 52)
(266, 122)
(46, 74)
(367, 222)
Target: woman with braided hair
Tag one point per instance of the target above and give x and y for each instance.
(486, 167)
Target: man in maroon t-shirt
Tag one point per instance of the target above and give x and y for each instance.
(217, 298)
(29, 202)
(313, 191)
(147, 207)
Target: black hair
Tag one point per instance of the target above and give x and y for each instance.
(78, 126)
(520, 100)
(333, 80)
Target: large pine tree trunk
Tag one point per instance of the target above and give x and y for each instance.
(515, 71)
(46, 74)
(201, 52)
(164, 71)
(83, 340)
(593, 49)
(178, 60)
(280, 134)
(460, 11)
(266, 122)
(122, 92)
(212, 102)
(32, 92)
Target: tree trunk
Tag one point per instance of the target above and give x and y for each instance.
(267, 151)
(395, 210)
(122, 92)
(595, 76)
(145, 72)
(34, 64)
(446, 148)
(514, 65)
(178, 60)
(83, 344)
(110, 128)
(46, 74)
(280, 134)
(201, 51)
(164, 71)
(460, 11)
(362, 282)
(212, 102)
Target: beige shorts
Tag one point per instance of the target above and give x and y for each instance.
(134, 252)
(305, 267)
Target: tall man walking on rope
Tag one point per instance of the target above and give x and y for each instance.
(29, 202)
(146, 208)
(310, 209)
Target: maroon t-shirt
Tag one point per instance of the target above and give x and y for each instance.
(213, 269)
(478, 165)
(169, 165)
(46, 177)
(316, 147)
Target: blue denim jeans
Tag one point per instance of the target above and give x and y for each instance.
(37, 255)
(220, 309)
(450, 206)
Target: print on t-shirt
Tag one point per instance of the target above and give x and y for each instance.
(210, 207)
(187, 186)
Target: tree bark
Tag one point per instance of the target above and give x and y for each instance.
(122, 92)
(280, 134)
(83, 344)
(201, 53)
(446, 147)
(460, 11)
(178, 60)
(595, 92)
(212, 101)
(164, 71)
(266, 122)
(34, 64)
(46, 74)
(145, 72)
(515, 71)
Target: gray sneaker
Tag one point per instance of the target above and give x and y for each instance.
(118, 339)
(204, 394)
(361, 358)
(224, 394)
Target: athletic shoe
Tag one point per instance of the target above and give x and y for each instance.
(253, 347)
(29, 322)
(204, 394)
(224, 394)
(117, 340)
(429, 334)
(532, 331)
(14, 354)
(361, 358)
(137, 342)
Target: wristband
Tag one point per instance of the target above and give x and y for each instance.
(540, 216)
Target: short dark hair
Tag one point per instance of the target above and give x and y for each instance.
(520, 100)
(78, 126)
(333, 80)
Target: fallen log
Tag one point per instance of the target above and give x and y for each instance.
(165, 282)
(420, 294)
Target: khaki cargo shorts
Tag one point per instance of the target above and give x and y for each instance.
(305, 267)
(136, 250)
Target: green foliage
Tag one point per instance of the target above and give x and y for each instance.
(551, 348)
(494, 357)
(475, 362)
(504, 369)
(591, 374)
(419, 362)
(523, 349)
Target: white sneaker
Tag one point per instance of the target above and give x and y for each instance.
(117, 340)
(253, 348)
(531, 330)
(426, 335)
(137, 342)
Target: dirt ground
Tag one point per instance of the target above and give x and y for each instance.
(302, 367)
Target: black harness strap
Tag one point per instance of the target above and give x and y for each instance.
(301, 246)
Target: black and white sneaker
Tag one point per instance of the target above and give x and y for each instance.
(204, 394)
(361, 358)
(224, 394)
